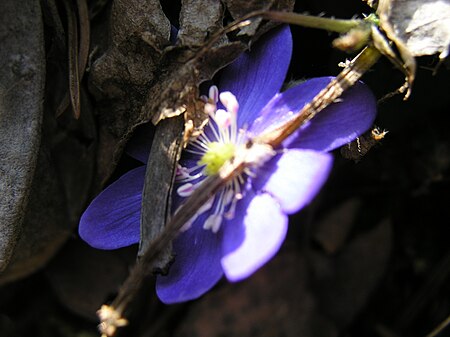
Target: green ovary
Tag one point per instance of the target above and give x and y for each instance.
(216, 155)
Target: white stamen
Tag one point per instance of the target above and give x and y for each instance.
(185, 190)
(182, 172)
(223, 119)
(222, 129)
(206, 207)
(213, 222)
(229, 101)
(214, 94)
(228, 195)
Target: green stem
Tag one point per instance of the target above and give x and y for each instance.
(333, 25)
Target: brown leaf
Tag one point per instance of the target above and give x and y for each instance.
(332, 231)
(74, 70)
(344, 282)
(45, 226)
(422, 25)
(159, 178)
(83, 278)
(78, 52)
(417, 28)
(21, 94)
(59, 190)
(121, 77)
(199, 19)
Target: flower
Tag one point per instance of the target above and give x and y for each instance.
(243, 226)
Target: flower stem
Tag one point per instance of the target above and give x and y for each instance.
(111, 316)
(330, 24)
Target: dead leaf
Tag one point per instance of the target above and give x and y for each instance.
(159, 178)
(199, 20)
(78, 287)
(122, 76)
(344, 282)
(422, 25)
(333, 230)
(417, 28)
(59, 190)
(358, 148)
(21, 95)
(45, 226)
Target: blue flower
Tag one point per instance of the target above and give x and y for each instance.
(244, 225)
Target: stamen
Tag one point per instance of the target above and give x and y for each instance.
(214, 94)
(206, 207)
(185, 190)
(229, 101)
(223, 119)
(183, 174)
(213, 151)
(213, 223)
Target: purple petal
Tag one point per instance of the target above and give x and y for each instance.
(256, 76)
(338, 124)
(112, 219)
(196, 268)
(138, 147)
(295, 177)
(262, 229)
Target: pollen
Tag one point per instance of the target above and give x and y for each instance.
(216, 155)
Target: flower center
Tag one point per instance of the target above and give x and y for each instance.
(215, 156)
(218, 143)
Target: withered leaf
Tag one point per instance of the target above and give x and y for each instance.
(45, 225)
(333, 230)
(122, 76)
(417, 28)
(357, 149)
(422, 25)
(199, 20)
(59, 190)
(161, 169)
(22, 69)
(345, 280)
(75, 284)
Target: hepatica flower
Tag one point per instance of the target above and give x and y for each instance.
(243, 226)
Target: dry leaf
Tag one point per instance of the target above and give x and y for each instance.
(83, 278)
(45, 226)
(21, 94)
(422, 25)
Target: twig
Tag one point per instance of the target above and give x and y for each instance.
(346, 78)
(439, 328)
